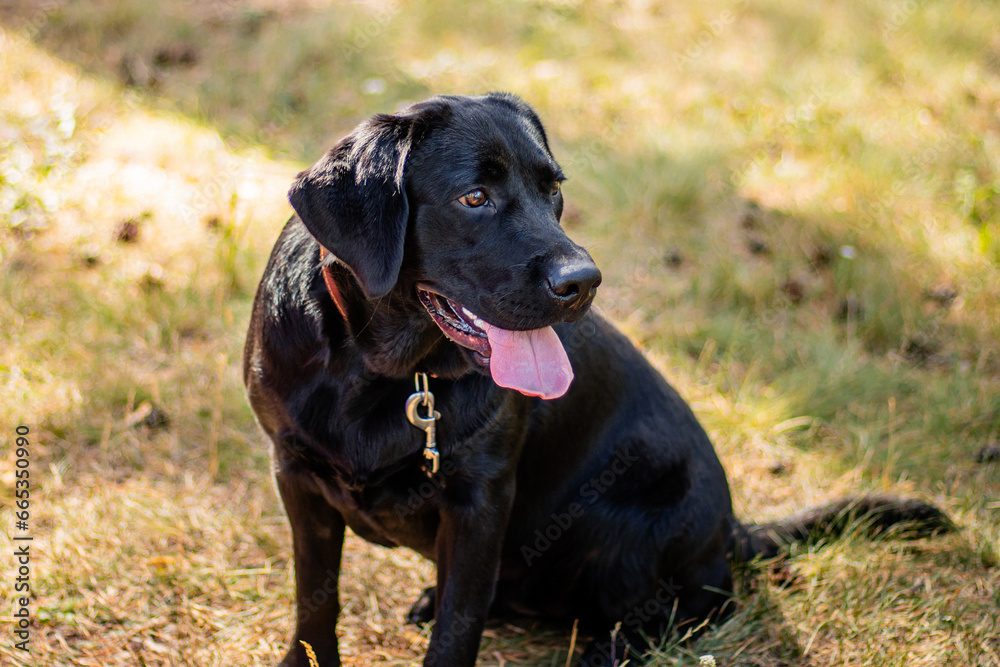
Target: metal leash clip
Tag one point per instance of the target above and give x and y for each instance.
(424, 397)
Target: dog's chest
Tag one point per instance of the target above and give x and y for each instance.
(381, 480)
(373, 430)
(393, 500)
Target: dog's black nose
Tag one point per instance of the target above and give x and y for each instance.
(574, 283)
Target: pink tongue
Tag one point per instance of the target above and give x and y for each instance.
(532, 362)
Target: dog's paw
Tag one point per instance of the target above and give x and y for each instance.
(422, 611)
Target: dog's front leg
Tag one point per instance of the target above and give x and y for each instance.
(468, 559)
(317, 542)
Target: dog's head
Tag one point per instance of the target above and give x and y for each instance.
(444, 219)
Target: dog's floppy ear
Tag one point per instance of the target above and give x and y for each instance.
(353, 201)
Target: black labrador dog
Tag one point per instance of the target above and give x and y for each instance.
(538, 459)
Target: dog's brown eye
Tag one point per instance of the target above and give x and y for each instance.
(555, 188)
(473, 199)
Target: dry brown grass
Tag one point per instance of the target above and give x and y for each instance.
(161, 541)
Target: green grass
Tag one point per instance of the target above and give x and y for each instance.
(795, 209)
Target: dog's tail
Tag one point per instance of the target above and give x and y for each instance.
(871, 516)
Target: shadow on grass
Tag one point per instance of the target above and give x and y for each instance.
(284, 75)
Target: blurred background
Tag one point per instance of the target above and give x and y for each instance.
(796, 208)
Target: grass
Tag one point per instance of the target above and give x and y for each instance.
(795, 209)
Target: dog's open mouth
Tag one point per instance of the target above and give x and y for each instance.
(533, 362)
(458, 323)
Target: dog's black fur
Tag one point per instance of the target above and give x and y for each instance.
(589, 506)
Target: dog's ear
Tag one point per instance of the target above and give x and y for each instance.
(353, 201)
